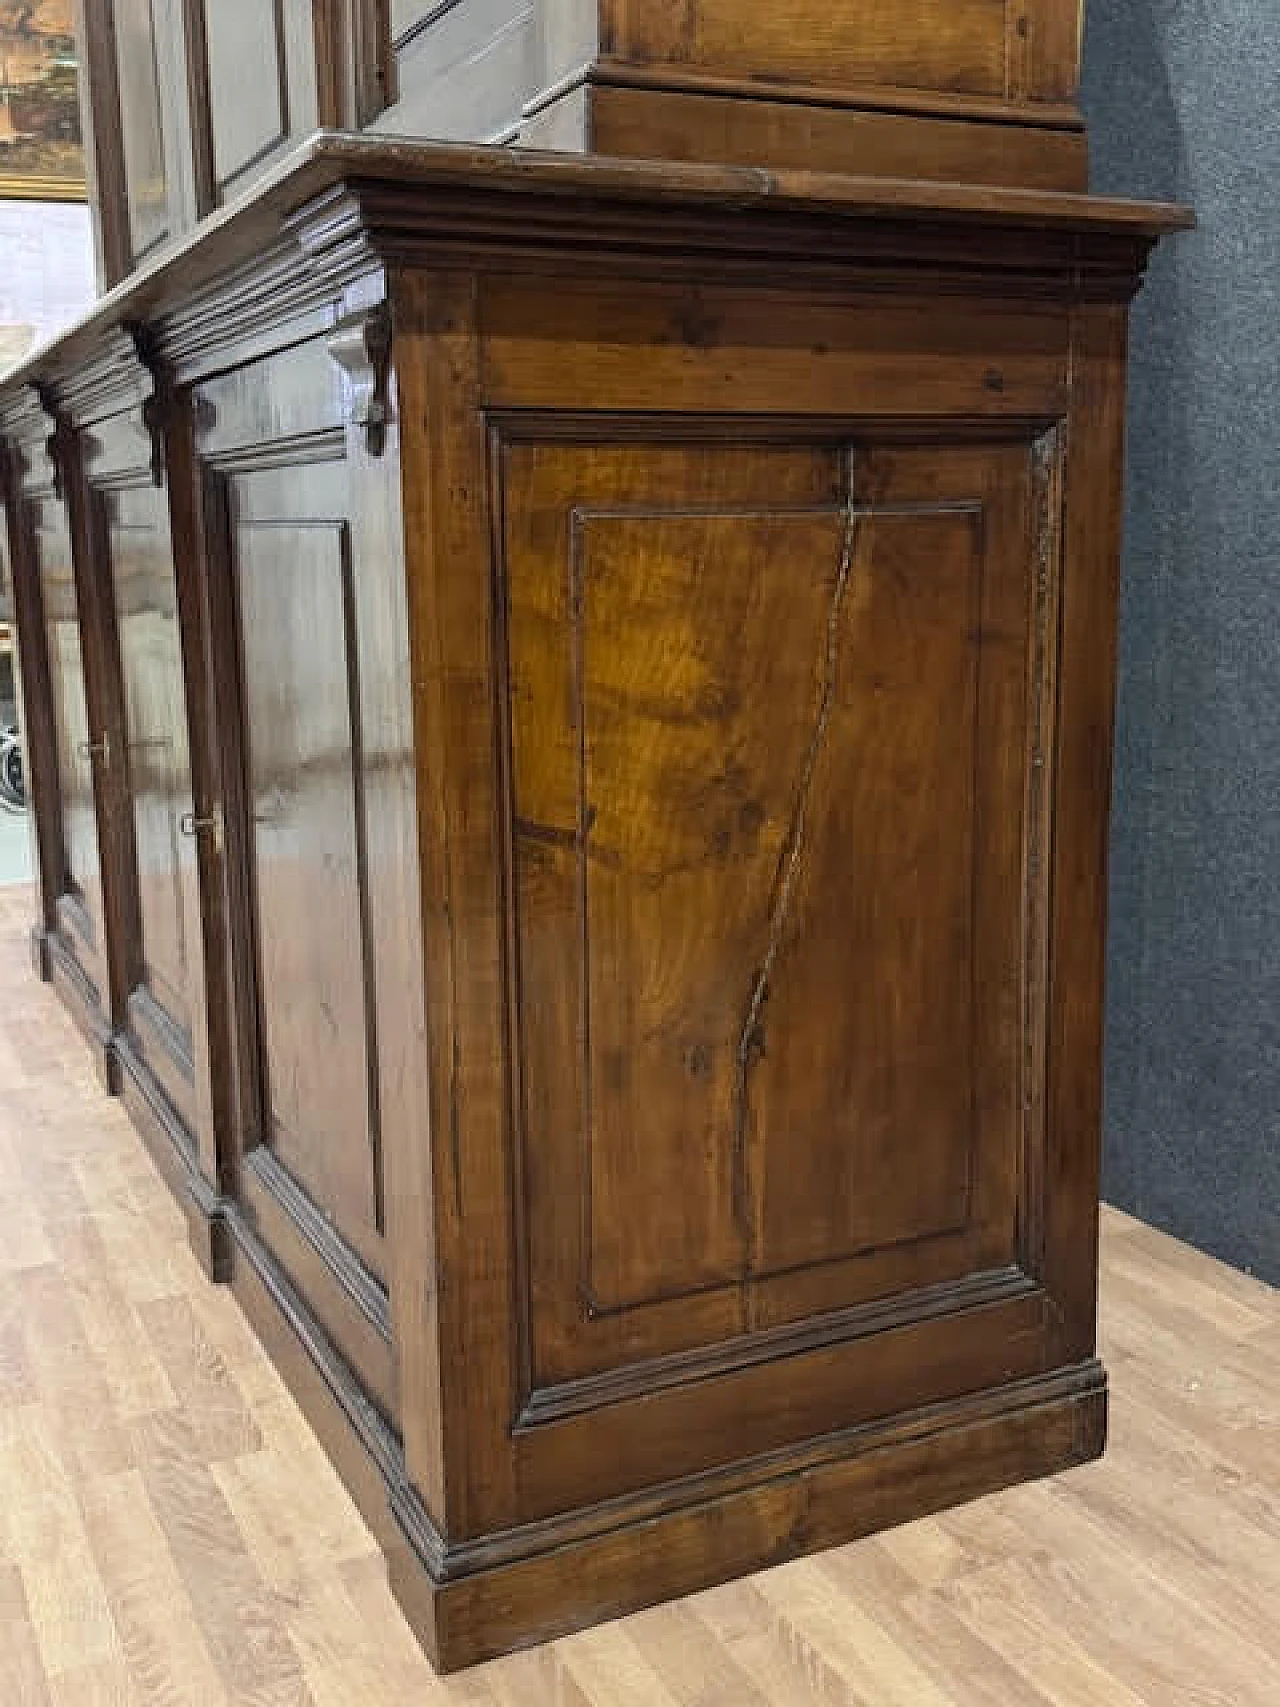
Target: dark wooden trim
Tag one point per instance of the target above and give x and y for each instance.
(430, 18)
(80, 999)
(346, 1298)
(434, 199)
(201, 136)
(635, 1380)
(344, 1265)
(171, 1148)
(104, 139)
(104, 695)
(1040, 1429)
(609, 72)
(39, 729)
(41, 954)
(353, 60)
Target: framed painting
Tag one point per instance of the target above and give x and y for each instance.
(41, 152)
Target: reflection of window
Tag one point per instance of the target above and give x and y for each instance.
(47, 277)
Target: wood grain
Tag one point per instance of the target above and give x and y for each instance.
(714, 651)
(180, 1540)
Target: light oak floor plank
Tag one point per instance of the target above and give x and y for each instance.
(172, 1536)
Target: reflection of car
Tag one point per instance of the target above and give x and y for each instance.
(13, 779)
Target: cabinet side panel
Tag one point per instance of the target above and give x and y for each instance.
(956, 45)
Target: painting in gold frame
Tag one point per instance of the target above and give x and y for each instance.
(41, 152)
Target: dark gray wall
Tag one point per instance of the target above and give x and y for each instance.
(1183, 98)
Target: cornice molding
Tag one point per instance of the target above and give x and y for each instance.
(275, 299)
(23, 416)
(112, 378)
(362, 223)
(308, 247)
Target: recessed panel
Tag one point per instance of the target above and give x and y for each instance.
(858, 1052)
(933, 44)
(156, 721)
(302, 733)
(687, 641)
(82, 867)
(769, 760)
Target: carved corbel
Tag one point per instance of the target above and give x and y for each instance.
(157, 411)
(55, 445)
(361, 345)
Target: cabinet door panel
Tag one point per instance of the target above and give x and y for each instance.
(82, 927)
(307, 593)
(772, 743)
(293, 581)
(314, 710)
(164, 974)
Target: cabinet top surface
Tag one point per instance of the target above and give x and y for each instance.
(431, 186)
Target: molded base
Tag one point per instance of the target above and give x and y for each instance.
(170, 1148)
(69, 981)
(41, 956)
(872, 1484)
(477, 1600)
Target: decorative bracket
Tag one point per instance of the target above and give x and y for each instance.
(157, 411)
(55, 443)
(361, 345)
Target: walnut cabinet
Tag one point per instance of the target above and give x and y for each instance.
(571, 710)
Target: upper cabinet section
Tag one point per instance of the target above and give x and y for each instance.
(138, 124)
(254, 83)
(977, 91)
(191, 101)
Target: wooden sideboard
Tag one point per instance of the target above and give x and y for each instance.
(188, 104)
(570, 713)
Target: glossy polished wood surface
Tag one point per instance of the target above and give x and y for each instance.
(134, 557)
(647, 653)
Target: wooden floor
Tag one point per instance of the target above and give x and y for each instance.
(171, 1534)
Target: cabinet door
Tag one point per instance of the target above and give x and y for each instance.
(314, 712)
(777, 723)
(83, 745)
(162, 1031)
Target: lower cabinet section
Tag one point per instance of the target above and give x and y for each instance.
(573, 802)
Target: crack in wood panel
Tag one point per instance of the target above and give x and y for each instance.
(751, 1041)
